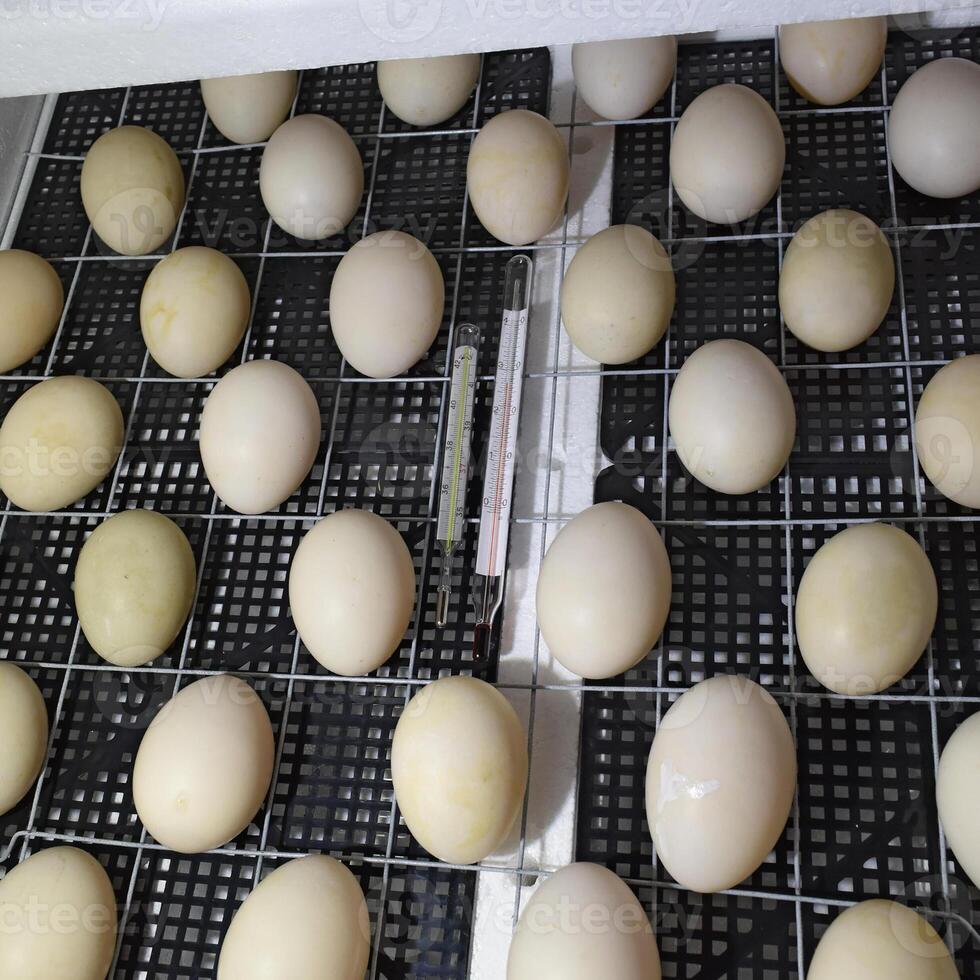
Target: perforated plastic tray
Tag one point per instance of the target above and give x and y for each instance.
(865, 824)
(332, 788)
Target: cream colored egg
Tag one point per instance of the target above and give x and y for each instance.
(727, 154)
(720, 782)
(865, 609)
(134, 586)
(837, 280)
(517, 176)
(132, 189)
(23, 734)
(427, 91)
(352, 591)
(934, 129)
(386, 303)
(204, 765)
(731, 417)
(248, 108)
(832, 61)
(59, 441)
(581, 923)
(881, 940)
(626, 78)
(459, 768)
(618, 295)
(958, 795)
(311, 177)
(31, 301)
(604, 591)
(59, 917)
(260, 433)
(194, 311)
(307, 920)
(947, 430)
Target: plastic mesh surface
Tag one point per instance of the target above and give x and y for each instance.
(332, 789)
(866, 824)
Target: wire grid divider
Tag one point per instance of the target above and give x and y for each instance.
(141, 853)
(792, 878)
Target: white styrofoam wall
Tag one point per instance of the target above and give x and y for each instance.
(63, 45)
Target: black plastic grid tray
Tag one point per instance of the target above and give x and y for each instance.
(332, 789)
(865, 824)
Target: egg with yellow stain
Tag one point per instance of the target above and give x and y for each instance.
(31, 301)
(59, 440)
(134, 586)
(59, 917)
(194, 311)
(23, 734)
(132, 189)
(459, 767)
(865, 608)
(881, 940)
(832, 61)
(517, 176)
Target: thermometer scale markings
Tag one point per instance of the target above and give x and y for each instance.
(492, 550)
(455, 465)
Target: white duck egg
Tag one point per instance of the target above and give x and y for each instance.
(248, 108)
(352, 591)
(428, 91)
(934, 129)
(727, 154)
(837, 280)
(306, 920)
(720, 782)
(311, 178)
(604, 591)
(260, 433)
(583, 922)
(386, 303)
(947, 430)
(204, 765)
(618, 295)
(626, 78)
(731, 417)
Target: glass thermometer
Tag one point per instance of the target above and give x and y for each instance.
(498, 487)
(456, 461)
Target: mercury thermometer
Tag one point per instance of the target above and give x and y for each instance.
(498, 487)
(456, 461)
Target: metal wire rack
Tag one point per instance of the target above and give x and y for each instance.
(865, 820)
